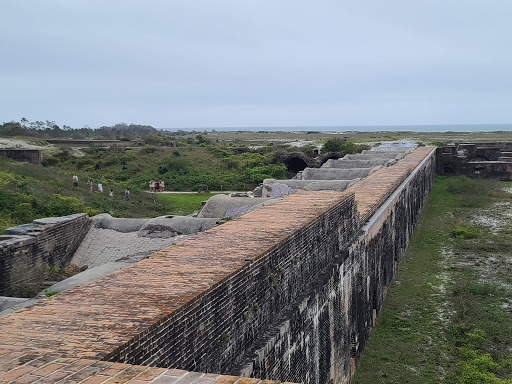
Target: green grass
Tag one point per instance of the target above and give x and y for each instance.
(437, 292)
(406, 346)
(183, 203)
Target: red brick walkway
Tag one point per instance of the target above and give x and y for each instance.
(32, 368)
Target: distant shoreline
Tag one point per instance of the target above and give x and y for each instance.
(368, 128)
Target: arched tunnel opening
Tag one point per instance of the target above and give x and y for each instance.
(295, 164)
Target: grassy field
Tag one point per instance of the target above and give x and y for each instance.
(447, 317)
(182, 203)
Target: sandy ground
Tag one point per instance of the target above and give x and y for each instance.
(22, 144)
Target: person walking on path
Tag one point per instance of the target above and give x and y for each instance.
(89, 184)
(111, 194)
(100, 187)
(127, 194)
(161, 185)
(75, 181)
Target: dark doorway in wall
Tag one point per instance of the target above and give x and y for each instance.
(295, 164)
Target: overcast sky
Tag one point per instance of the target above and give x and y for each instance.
(221, 63)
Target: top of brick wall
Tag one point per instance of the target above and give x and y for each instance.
(95, 319)
(32, 368)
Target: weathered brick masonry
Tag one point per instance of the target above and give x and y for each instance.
(287, 292)
(26, 249)
(33, 156)
(490, 160)
(323, 337)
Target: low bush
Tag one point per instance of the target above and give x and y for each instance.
(462, 232)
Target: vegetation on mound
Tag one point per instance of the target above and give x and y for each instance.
(446, 317)
(28, 192)
(182, 168)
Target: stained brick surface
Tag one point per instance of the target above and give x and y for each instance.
(73, 370)
(25, 250)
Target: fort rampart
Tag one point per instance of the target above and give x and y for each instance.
(490, 160)
(288, 292)
(26, 250)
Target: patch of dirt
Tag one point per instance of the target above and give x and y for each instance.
(494, 217)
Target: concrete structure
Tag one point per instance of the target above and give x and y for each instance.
(279, 188)
(349, 164)
(375, 155)
(336, 173)
(288, 292)
(220, 206)
(96, 143)
(26, 251)
(492, 160)
(32, 156)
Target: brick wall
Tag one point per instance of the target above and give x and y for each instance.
(213, 334)
(26, 249)
(489, 160)
(321, 340)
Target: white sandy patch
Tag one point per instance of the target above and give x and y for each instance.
(7, 143)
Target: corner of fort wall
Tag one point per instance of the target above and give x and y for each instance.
(26, 249)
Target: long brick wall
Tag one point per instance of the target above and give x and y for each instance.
(27, 249)
(322, 339)
(214, 302)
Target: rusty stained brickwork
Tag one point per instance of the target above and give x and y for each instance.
(16, 367)
(26, 249)
(134, 314)
(323, 338)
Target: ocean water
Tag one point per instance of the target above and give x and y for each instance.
(368, 128)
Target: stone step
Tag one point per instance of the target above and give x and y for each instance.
(505, 159)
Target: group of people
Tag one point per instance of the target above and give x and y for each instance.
(156, 186)
(90, 184)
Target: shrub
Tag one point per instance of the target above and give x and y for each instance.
(162, 169)
(462, 232)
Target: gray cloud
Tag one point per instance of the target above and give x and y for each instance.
(256, 63)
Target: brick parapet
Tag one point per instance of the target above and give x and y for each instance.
(39, 369)
(26, 249)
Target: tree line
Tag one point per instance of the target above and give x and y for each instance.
(51, 130)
